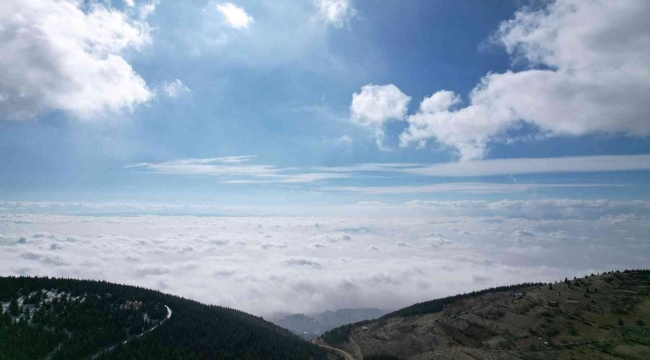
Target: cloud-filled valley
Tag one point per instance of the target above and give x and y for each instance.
(299, 156)
(396, 256)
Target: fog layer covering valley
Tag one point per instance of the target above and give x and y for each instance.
(391, 257)
(310, 326)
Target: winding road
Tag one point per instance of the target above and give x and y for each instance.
(346, 355)
(112, 347)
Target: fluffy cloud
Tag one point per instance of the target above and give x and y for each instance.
(267, 246)
(234, 16)
(410, 253)
(68, 55)
(334, 237)
(175, 89)
(336, 12)
(303, 262)
(588, 72)
(377, 104)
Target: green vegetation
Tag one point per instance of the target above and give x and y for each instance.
(433, 306)
(75, 319)
(342, 333)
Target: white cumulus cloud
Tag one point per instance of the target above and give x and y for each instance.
(64, 55)
(588, 72)
(377, 104)
(235, 16)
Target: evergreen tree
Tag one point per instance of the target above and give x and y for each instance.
(13, 307)
(111, 314)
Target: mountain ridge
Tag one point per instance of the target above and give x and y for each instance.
(75, 319)
(597, 317)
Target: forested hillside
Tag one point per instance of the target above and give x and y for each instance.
(77, 319)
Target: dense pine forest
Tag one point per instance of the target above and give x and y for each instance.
(54, 319)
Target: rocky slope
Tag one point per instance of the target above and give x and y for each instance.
(595, 317)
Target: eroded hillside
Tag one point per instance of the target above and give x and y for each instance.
(596, 317)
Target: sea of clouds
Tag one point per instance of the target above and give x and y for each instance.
(366, 255)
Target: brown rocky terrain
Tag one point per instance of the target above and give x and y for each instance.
(597, 317)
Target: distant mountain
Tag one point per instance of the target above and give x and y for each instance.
(596, 317)
(55, 319)
(309, 326)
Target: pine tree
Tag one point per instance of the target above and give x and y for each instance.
(13, 308)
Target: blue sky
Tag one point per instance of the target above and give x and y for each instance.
(341, 153)
(295, 102)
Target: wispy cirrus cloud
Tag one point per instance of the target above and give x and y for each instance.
(501, 167)
(235, 170)
(231, 165)
(239, 170)
(295, 178)
(496, 167)
(174, 89)
(468, 188)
